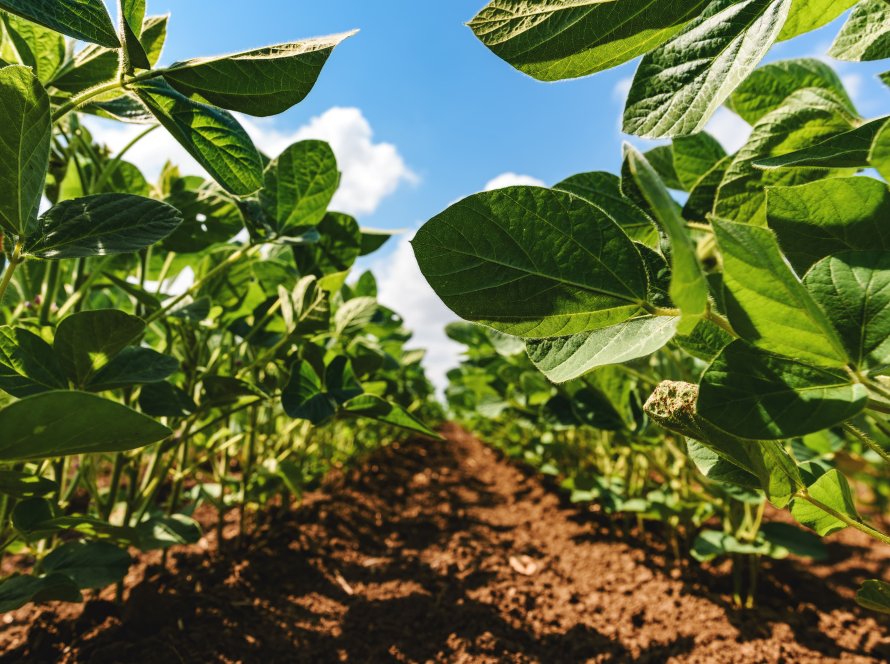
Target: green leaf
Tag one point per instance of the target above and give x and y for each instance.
(603, 190)
(694, 157)
(806, 118)
(375, 408)
(759, 395)
(212, 136)
(337, 249)
(718, 469)
(703, 194)
(853, 288)
(374, 238)
(554, 39)
(87, 340)
(131, 14)
(661, 158)
(680, 85)
(879, 157)
(154, 35)
(532, 262)
(89, 564)
(56, 424)
(133, 366)
(689, 289)
(566, 358)
(165, 400)
(24, 485)
(766, 302)
(304, 397)
(767, 88)
(101, 225)
(833, 491)
(354, 315)
(848, 150)
(785, 539)
(210, 216)
(161, 531)
(265, 81)
(37, 47)
(16, 591)
(88, 68)
(705, 341)
(808, 15)
(299, 186)
(829, 216)
(82, 19)
(27, 364)
(865, 35)
(25, 134)
(874, 595)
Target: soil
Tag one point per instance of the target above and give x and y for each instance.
(446, 552)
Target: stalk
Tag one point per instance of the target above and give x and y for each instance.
(867, 441)
(852, 523)
(14, 262)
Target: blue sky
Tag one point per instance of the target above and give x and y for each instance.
(433, 115)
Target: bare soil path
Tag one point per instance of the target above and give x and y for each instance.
(445, 552)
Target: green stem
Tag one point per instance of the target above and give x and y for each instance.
(843, 518)
(867, 441)
(720, 322)
(79, 100)
(14, 262)
(50, 292)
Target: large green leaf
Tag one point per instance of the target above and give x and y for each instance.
(866, 34)
(829, 216)
(532, 262)
(25, 134)
(879, 156)
(703, 194)
(566, 358)
(89, 564)
(27, 364)
(806, 118)
(833, 491)
(874, 595)
(680, 85)
(852, 149)
(853, 288)
(603, 190)
(557, 39)
(695, 156)
(38, 47)
(759, 395)
(299, 186)
(767, 88)
(688, 288)
(766, 302)
(337, 249)
(212, 136)
(304, 397)
(24, 485)
(81, 19)
(87, 340)
(265, 81)
(133, 366)
(375, 408)
(808, 15)
(68, 422)
(89, 67)
(102, 225)
(131, 14)
(16, 591)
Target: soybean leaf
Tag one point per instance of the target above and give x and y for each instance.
(806, 118)
(866, 34)
(161, 531)
(24, 485)
(354, 315)
(759, 395)
(767, 88)
(703, 194)
(89, 67)
(829, 216)
(154, 35)
(532, 262)
(566, 358)
(373, 239)
(848, 150)
(304, 397)
(299, 186)
(718, 469)
(375, 408)
(87, 340)
(56, 424)
(874, 595)
(131, 14)
(210, 216)
(81, 19)
(212, 136)
(101, 225)
(808, 15)
(89, 564)
(27, 364)
(265, 81)
(705, 341)
(661, 158)
(37, 47)
(879, 157)
(679, 85)
(853, 288)
(337, 249)
(126, 108)
(785, 538)
(16, 591)
(165, 400)
(603, 190)
(133, 366)
(694, 157)
(766, 302)
(36, 519)
(833, 491)
(25, 134)
(688, 288)
(553, 39)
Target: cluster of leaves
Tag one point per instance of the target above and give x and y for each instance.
(768, 288)
(169, 344)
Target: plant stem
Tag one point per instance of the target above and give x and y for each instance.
(10, 269)
(110, 86)
(843, 518)
(50, 292)
(867, 441)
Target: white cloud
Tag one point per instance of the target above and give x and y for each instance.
(402, 287)
(371, 171)
(622, 89)
(729, 129)
(512, 180)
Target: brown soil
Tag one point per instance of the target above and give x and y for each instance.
(446, 552)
